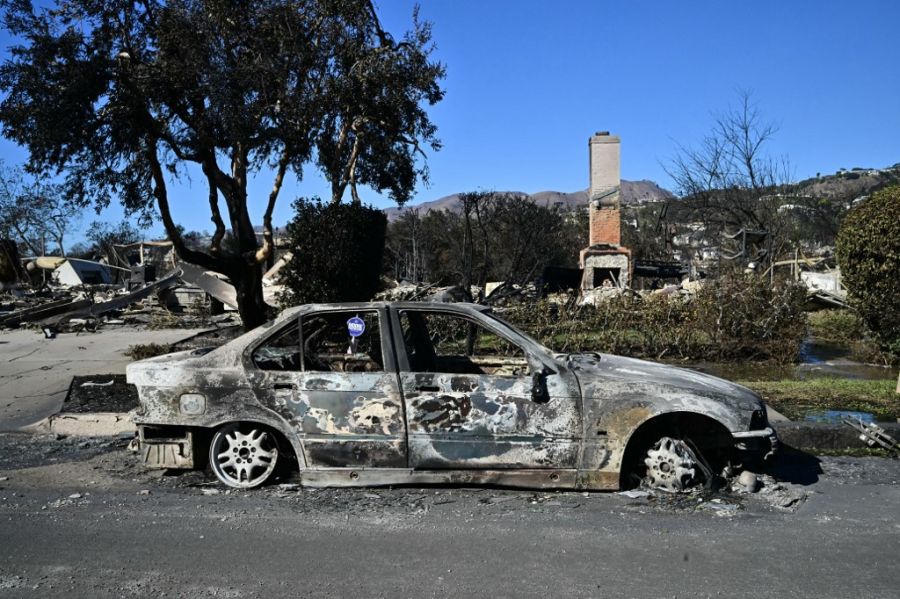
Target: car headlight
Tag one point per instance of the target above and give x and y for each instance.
(192, 404)
(758, 420)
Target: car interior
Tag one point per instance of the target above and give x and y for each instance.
(446, 343)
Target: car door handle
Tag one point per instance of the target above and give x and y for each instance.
(433, 388)
(282, 386)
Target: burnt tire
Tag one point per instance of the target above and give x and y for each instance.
(710, 443)
(671, 466)
(244, 455)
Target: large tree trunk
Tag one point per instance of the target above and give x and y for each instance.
(248, 285)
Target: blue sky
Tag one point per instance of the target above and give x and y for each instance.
(529, 81)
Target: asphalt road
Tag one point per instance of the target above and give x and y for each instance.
(80, 518)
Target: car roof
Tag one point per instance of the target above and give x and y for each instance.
(449, 306)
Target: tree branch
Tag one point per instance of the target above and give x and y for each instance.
(160, 193)
(268, 246)
(215, 245)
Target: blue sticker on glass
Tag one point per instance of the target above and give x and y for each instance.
(356, 326)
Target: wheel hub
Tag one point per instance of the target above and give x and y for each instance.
(670, 465)
(243, 460)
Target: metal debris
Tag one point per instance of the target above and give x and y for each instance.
(108, 383)
(214, 286)
(634, 493)
(872, 435)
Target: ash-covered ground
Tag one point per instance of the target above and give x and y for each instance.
(82, 517)
(79, 463)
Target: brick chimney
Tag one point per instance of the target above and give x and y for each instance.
(605, 262)
(605, 217)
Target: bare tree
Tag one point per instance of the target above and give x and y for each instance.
(407, 246)
(732, 184)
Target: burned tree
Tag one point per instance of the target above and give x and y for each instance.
(487, 236)
(124, 97)
(732, 186)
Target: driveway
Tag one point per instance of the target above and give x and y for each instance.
(35, 372)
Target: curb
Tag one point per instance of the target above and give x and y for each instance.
(810, 436)
(90, 424)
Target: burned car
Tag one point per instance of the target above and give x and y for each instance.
(422, 393)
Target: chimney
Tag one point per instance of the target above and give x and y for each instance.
(605, 218)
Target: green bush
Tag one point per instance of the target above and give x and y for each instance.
(841, 327)
(728, 319)
(796, 399)
(337, 253)
(868, 251)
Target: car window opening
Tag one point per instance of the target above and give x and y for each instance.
(323, 343)
(446, 343)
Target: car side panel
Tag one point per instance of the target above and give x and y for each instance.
(341, 419)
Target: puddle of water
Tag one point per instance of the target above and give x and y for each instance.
(817, 360)
(816, 352)
(835, 416)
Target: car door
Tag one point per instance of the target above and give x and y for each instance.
(469, 392)
(332, 375)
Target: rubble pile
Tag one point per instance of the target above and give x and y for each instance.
(167, 302)
(141, 284)
(762, 489)
(404, 291)
(69, 295)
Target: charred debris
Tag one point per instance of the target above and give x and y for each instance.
(139, 284)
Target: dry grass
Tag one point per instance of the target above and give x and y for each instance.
(148, 350)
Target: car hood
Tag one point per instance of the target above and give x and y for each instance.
(598, 372)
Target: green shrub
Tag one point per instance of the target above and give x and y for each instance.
(836, 326)
(730, 318)
(868, 251)
(337, 253)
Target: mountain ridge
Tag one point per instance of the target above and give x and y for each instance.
(632, 192)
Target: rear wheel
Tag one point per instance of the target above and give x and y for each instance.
(243, 455)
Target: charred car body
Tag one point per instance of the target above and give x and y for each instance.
(417, 393)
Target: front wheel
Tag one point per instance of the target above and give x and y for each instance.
(244, 455)
(671, 465)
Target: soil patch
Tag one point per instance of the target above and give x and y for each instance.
(211, 338)
(100, 393)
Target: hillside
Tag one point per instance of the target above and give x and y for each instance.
(633, 192)
(848, 185)
(843, 186)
